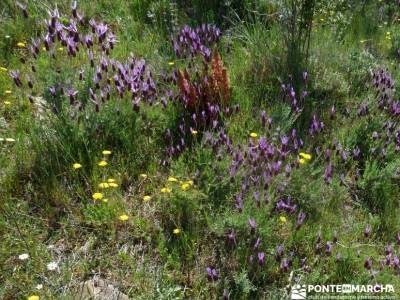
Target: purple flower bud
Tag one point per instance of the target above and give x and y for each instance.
(300, 219)
(212, 273)
(261, 256)
(368, 263)
(279, 253)
(23, 7)
(15, 76)
(253, 225)
(367, 231)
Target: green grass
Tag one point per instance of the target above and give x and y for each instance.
(47, 209)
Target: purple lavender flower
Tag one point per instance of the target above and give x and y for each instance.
(212, 273)
(300, 219)
(368, 263)
(367, 231)
(253, 225)
(15, 75)
(24, 9)
(261, 256)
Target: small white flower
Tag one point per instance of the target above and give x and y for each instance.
(39, 286)
(52, 266)
(23, 256)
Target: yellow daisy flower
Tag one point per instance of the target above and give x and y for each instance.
(123, 217)
(97, 196)
(76, 166)
(21, 44)
(146, 198)
(185, 186)
(104, 185)
(172, 179)
(60, 49)
(176, 231)
(194, 132)
(106, 152)
(102, 163)
(33, 297)
(144, 176)
(166, 190)
(3, 69)
(253, 135)
(110, 180)
(283, 219)
(113, 185)
(302, 161)
(305, 155)
(190, 182)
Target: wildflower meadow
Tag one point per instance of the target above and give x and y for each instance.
(170, 149)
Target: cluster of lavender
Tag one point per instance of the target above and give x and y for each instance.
(192, 124)
(289, 93)
(191, 42)
(384, 85)
(201, 111)
(97, 40)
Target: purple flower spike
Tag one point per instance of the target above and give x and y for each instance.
(253, 225)
(261, 256)
(23, 7)
(300, 219)
(328, 248)
(368, 263)
(15, 76)
(212, 274)
(367, 231)
(279, 253)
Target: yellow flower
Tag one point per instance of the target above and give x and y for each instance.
(113, 184)
(144, 176)
(176, 231)
(146, 198)
(253, 134)
(102, 163)
(104, 185)
(97, 196)
(60, 49)
(105, 200)
(33, 297)
(77, 166)
(7, 102)
(189, 182)
(3, 69)
(106, 152)
(305, 155)
(322, 19)
(110, 180)
(44, 48)
(302, 161)
(123, 217)
(171, 63)
(7, 92)
(283, 219)
(21, 44)
(194, 132)
(185, 186)
(172, 179)
(166, 190)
